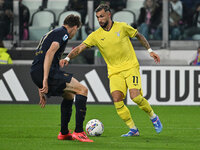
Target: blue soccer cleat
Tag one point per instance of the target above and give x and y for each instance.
(132, 132)
(157, 124)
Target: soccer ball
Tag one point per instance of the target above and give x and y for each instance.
(94, 127)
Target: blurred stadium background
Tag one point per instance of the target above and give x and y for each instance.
(175, 81)
(174, 84)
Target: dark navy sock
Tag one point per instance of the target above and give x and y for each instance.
(66, 112)
(80, 104)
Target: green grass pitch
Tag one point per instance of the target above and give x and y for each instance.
(28, 127)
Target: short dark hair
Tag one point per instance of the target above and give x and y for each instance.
(72, 20)
(101, 7)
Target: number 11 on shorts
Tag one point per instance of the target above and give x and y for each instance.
(135, 79)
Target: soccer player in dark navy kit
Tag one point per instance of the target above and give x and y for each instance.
(51, 81)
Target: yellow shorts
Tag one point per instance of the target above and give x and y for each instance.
(126, 79)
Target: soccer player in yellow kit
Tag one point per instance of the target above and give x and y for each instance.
(113, 41)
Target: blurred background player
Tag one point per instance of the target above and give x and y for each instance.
(4, 56)
(51, 81)
(113, 41)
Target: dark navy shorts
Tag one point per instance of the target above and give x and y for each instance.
(56, 81)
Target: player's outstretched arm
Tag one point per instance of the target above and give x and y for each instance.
(145, 43)
(143, 40)
(75, 52)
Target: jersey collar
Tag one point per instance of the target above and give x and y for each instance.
(110, 27)
(65, 30)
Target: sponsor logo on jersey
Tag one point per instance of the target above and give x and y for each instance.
(65, 37)
(118, 33)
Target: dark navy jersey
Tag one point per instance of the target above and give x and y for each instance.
(59, 35)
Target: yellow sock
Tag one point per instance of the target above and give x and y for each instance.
(144, 105)
(124, 113)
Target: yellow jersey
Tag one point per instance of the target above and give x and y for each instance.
(115, 46)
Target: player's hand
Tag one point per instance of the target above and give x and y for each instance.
(44, 89)
(43, 101)
(63, 62)
(155, 57)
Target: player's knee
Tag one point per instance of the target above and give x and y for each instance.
(68, 95)
(117, 96)
(83, 91)
(134, 93)
(117, 99)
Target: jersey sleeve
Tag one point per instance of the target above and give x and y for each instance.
(130, 31)
(90, 40)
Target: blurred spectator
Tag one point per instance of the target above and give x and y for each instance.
(190, 3)
(80, 6)
(149, 18)
(197, 59)
(9, 4)
(175, 16)
(118, 5)
(24, 16)
(194, 24)
(115, 5)
(6, 17)
(175, 13)
(4, 56)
